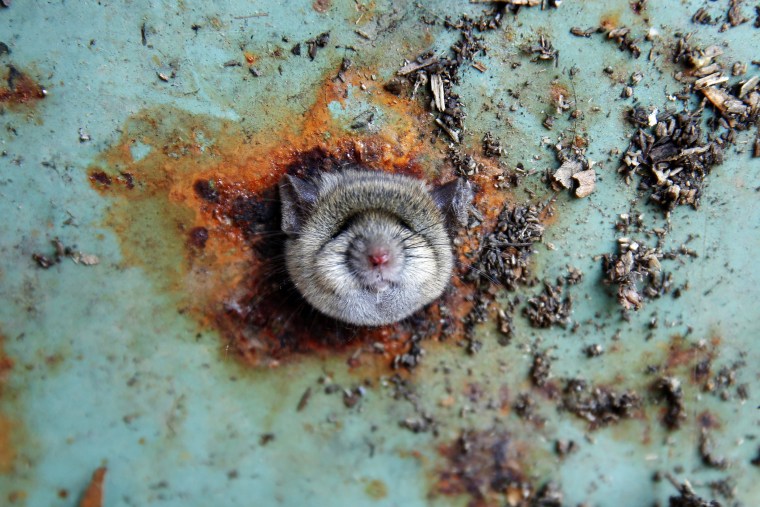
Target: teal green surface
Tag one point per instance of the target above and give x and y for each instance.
(107, 371)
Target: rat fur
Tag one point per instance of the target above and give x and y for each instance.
(370, 248)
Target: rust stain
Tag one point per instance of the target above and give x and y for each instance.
(610, 21)
(17, 496)
(488, 466)
(93, 495)
(321, 6)
(20, 88)
(8, 452)
(199, 212)
(376, 489)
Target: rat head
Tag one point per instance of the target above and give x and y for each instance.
(370, 248)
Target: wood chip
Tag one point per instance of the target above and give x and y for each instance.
(724, 101)
(93, 495)
(586, 182)
(711, 80)
(436, 85)
(415, 66)
(454, 135)
(565, 173)
(748, 86)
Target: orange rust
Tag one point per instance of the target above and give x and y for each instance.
(7, 449)
(250, 58)
(558, 93)
(490, 469)
(17, 496)
(376, 489)
(610, 21)
(202, 218)
(321, 6)
(93, 495)
(708, 420)
(21, 89)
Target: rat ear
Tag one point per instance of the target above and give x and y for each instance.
(453, 199)
(296, 196)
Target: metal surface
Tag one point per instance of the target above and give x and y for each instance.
(119, 363)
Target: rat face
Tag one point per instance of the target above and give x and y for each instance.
(375, 246)
(367, 248)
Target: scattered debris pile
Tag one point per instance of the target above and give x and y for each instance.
(671, 155)
(576, 172)
(687, 497)
(440, 74)
(625, 41)
(550, 308)
(503, 254)
(485, 464)
(637, 272)
(669, 388)
(61, 251)
(542, 50)
(598, 405)
(670, 151)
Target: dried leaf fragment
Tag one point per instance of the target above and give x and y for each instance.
(586, 182)
(565, 173)
(93, 495)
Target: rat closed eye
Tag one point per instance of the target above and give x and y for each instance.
(370, 248)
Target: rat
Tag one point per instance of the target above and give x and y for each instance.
(370, 248)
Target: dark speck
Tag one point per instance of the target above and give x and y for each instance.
(198, 237)
(206, 190)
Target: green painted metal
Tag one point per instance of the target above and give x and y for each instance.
(107, 371)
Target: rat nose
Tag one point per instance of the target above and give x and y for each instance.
(378, 257)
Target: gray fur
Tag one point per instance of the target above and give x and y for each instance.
(334, 220)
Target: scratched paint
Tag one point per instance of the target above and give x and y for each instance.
(135, 364)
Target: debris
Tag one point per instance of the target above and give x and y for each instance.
(503, 254)
(672, 156)
(670, 389)
(549, 308)
(734, 15)
(86, 259)
(436, 85)
(417, 65)
(564, 174)
(637, 272)
(598, 405)
(706, 452)
(586, 182)
(505, 326)
(93, 495)
(320, 41)
(486, 464)
(580, 32)
(61, 251)
(594, 350)
(491, 146)
(625, 42)
(453, 134)
(304, 400)
(543, 50)
(540, 369)
(687, 497)
(702, 17)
